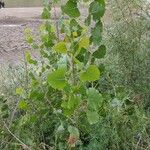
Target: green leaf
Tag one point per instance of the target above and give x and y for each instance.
(84, 43)
(73, 131)
(60, 128)
(29, 59)
(56, 79)
(101, 2)
(29, 39)
(75, 27)
(93, 117)
(73, 102)
(22, 105)
(94, 98)
(100, 53)
(64, 104)
(70, 103)
(91, 74)
(19, 91)
(97, 9)
(97, 33)
(60, 47)
(68, 112)
(71, 9)
(80, 54)
(37, 94)
(46, 13)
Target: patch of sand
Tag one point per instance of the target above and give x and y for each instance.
(13, 22)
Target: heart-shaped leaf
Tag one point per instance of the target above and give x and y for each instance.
(100, 53)
(93, 117)
(71, 9)
(73, 131)
(84, 43)
(91, 74)
(56, 79)
(60, 47)
(94, 98)
(97, 33)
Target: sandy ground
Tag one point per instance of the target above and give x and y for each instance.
(13, 22)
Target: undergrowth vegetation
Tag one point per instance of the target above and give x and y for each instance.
(128, 44)
(89, 90)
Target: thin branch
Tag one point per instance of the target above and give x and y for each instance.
(56, 22)
(22, 143)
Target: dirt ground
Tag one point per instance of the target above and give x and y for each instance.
(13, 22)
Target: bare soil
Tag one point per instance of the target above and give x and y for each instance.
(13, 22)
